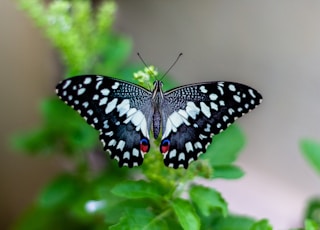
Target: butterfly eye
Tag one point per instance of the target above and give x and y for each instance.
(144, 145)
(165, 145)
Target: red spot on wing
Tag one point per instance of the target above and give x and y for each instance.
(144, 145)
(165, 146)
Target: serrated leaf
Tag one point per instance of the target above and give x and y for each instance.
(208, 200)
(261, 225)
(227, 146)
(227, 172)
(137, 189)
(186, 214)
(139, 219)
(311, 152)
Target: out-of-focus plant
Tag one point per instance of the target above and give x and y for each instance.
(311, 151)
(101, 196)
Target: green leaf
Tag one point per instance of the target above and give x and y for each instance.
(208, 200)
(225, 147)
(234, 222)
(227, 172)
(313, 210)
(60, 191)
(311, 152)
(139, 219)
(311, 225)
(137, 189)
(186, 214)
(261, 225)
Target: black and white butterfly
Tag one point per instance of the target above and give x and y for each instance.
(187, 116)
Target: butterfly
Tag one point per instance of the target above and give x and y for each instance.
(186, 117)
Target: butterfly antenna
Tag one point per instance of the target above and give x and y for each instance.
(173, 64)
(142, 60)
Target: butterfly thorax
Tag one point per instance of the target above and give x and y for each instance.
(157, 99)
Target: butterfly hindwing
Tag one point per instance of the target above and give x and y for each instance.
(119, 110)
(194, 113)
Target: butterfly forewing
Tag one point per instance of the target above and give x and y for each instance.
(119, 110)
(192, 114)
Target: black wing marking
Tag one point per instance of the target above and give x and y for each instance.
(119, 110)
(192, 114)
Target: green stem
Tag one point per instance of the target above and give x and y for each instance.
(158, 218)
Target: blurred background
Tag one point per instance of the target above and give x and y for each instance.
(273, 46)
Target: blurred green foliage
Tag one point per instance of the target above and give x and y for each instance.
(102, 196)
(311, 152)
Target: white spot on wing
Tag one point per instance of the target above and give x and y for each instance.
(182, 157)
(221, 90)
(232, 87)
(115, 85)
(109, 133)
(183, 113)
(98, 84)
(207, 129)
(225, 118)
(172, 153)
(87, 80)
(198, 145)
(205, 109)
(85, 104)
(138, 119)
(66, 84)
(103, 101)
(231, 111)
(112, 142)
(189, 147)
(130, 112)
(120, 145)
(135, 152)
(81, 91)
(213, 96)
(105, 92)
(105, 124)
(214, 106)
(123, 107)
(201, 136)
(174, 121)
(203, 89)
(111, 105)
(252, 93)
(90, 112)
(192, 109)
(126, 155)
(237, 98)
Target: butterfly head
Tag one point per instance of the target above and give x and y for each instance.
(157, 89)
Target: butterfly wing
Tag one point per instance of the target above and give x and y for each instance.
(119, 110)
(192, 114)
